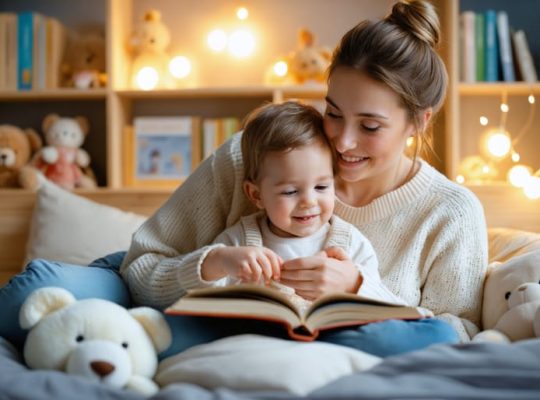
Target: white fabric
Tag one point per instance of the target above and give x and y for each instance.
(429, 236)
(69, 228)
(253, 362)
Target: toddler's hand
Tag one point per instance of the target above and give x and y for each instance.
(247, 263)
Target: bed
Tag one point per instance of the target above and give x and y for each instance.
(474, 370)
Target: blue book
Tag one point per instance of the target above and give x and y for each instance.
(25, 43)
(491, 61)
(505, 47)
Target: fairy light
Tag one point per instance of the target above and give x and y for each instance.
(242, 13)
(498, 143)
(532, 188)
(280, 68)
(484, 121)
(531, 99)
(460, 179)
(180, 67)
(504, 107)
(515, 156)
(147, 78)
(217, 40)
(519, 175)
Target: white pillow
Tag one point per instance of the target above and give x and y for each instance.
(259, 363)
(69, 228)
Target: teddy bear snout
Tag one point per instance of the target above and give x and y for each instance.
(524, 293)
(7, 157)
(102, 368)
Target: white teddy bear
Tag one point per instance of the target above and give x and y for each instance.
(94, 338)
(511, 306)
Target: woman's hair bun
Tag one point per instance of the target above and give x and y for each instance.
(418, 18)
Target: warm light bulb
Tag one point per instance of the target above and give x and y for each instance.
(217, 40)
(504, 107)
(241, 43)
(518, 175)
(147, 78)
(531, 99)
(532, 188)
(515, 157)
(483, 121)
(242, 13)
(180, 67)
(498, 144)
(460, 179)
(281, 68)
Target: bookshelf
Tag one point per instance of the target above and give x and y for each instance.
(233, 88)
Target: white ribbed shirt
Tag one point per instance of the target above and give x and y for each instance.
(429, 236)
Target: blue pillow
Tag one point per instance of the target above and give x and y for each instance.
(101, 279)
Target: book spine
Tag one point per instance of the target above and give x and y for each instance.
(468, 47)
(505, 47)
(3, 51)
(25, 40)
(491, 45)
(11, 43)
(479, 30)
(524, 58)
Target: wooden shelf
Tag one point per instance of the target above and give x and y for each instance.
(495, 88)
(53, 94)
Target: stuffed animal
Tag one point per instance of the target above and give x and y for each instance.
(84, 62)
(16, 149)
(309, 63)
(94, 338)
(511, 305)
(62, 160)
(148, 44)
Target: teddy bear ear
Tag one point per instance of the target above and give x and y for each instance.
(43, 302)
(305, 38)
(83, 123)
(48, 121)
(155, 326)
(35, 140)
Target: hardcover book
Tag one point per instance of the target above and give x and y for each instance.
(302, 319)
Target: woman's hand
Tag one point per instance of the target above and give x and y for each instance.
(331, 270)
(246, 263)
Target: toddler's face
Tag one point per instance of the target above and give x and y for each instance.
(296, 189)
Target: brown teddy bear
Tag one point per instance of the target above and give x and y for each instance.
(62, 160)
(16, 149)
(309, 62)
(84, 62)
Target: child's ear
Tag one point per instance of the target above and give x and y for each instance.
(253, 193)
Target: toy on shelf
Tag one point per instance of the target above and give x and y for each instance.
(84, 62)
(16, 149)
(307, 64)
(94, 338)
(62, 160)
(148, 44)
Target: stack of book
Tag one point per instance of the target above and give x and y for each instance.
(491, 51)
(31, 51)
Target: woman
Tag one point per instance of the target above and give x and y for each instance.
(386, 82)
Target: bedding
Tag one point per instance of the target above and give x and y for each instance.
(472, 371)
(476, 370)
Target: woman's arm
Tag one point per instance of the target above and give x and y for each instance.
(457, 263)
(162, 262)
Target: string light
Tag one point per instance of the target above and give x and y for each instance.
(484, 121)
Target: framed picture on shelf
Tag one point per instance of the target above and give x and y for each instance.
(161, 151)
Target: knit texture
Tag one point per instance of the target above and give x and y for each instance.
(429, 236)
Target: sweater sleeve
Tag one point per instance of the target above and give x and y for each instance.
(165, 253)
(456, 265)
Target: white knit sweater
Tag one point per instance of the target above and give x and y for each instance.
(429, 236)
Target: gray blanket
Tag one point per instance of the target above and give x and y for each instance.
(472, 371)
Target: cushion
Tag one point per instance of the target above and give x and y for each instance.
(69, 228)
(100, 280)
(254, 362)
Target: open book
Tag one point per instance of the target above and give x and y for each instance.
(303, 319)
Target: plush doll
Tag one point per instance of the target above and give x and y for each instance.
(148, 44)
(309, 62)
(511, 305)
(94, 338)
(16, 149)
(62, 160)
(84, 63)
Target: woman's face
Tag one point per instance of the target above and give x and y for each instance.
(366, 124)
